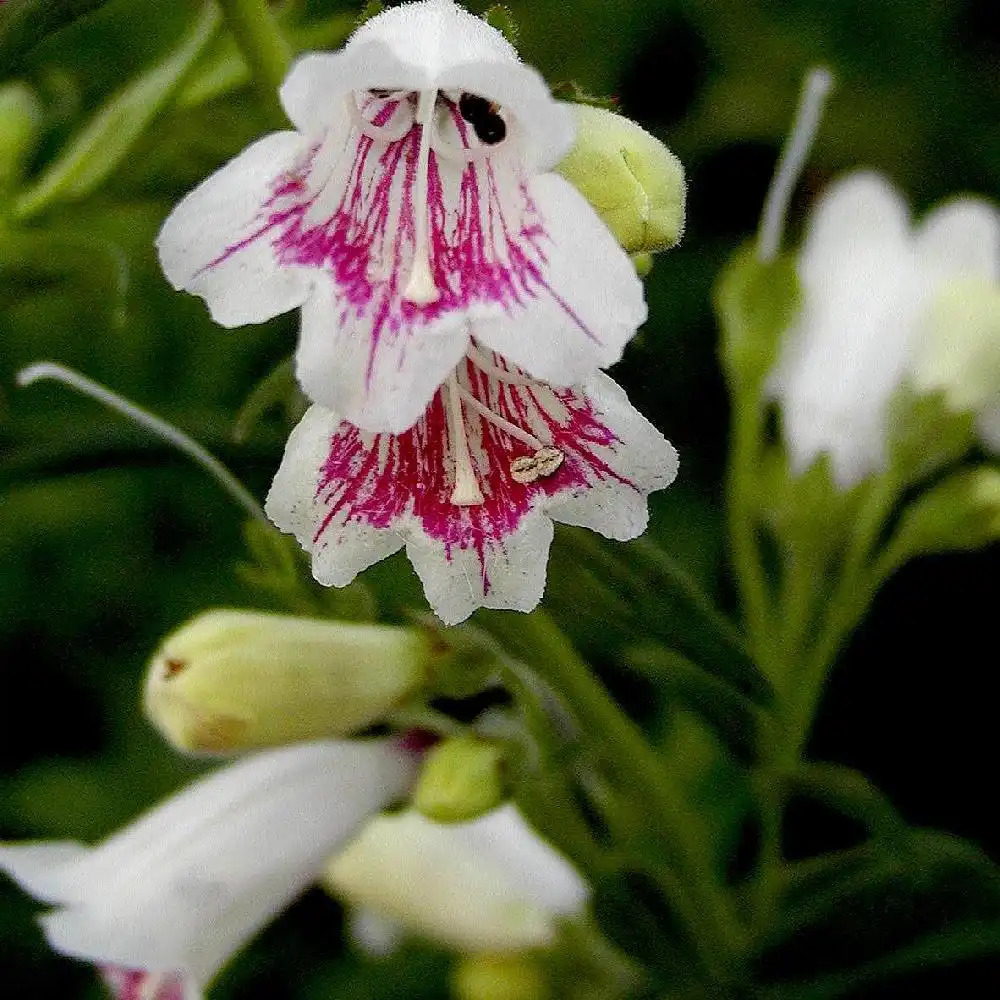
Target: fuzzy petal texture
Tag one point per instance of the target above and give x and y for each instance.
(351, 497)
(489, 885)
(867, 280)
(177, 892)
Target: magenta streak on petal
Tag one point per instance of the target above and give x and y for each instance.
(380, 481)
(134, 984)
(365, 246)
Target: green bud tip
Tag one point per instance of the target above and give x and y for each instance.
(236, 680)
(635, 184)
(499, 977)
(460, 780)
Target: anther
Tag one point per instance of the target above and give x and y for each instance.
(541, 465)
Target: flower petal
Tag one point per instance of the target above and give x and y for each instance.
(341, 546)
(488, 885)
(961, 237)
(636, 461)
(860, 209)
(431, 46)
(191, 881)
(581, 301)
(488, 572)
(213, 243)
(377, 378)
(352, 496)
(988, 428)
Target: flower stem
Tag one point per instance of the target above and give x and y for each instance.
(263, 46)
(184, 444)
(747, 430)
(697, 899)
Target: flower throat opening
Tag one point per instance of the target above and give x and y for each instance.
(437, 113)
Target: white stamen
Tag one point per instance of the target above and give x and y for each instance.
(466, 492)
(793, 157)
(380, 133)
(481, 360)
(421, 289)
(505, 425)
(184, 444)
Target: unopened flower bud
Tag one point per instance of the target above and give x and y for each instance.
(20, 120)
(460, 780)
(499, 977)
(234, 680)
(635, 184)
(959, 349)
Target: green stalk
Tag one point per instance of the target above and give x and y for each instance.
(746, 434)
(264, 47)
(699, 902)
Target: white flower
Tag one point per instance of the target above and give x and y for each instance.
(472, 488)
(163, 904)
(490, 885)
(411, 207)
(868, 281)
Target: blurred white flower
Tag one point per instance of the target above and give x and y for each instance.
(162, 905)
(489, 885)
(869, 283)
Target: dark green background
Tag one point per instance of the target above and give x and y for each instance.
(107, 541)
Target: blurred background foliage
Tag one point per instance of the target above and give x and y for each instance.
(107, 540)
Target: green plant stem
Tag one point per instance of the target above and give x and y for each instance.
(264, 47)
(698, 901)
(744, 452)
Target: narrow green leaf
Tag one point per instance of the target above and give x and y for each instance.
(24, 23)
(879, 912)
(111, 133)
(735, 719)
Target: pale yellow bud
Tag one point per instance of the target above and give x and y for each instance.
(959, 349)
(499, 977)
(635, 184)
(460, 780)
(235, 680)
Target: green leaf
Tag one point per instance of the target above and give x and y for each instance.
(735, 719)
(24, 23)
(887, 910)
(755, 303)
(111, 133)
(960, 512)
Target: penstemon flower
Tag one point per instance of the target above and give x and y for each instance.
(472, 488)
(413, 203)
(872, 285)
(162, 905)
